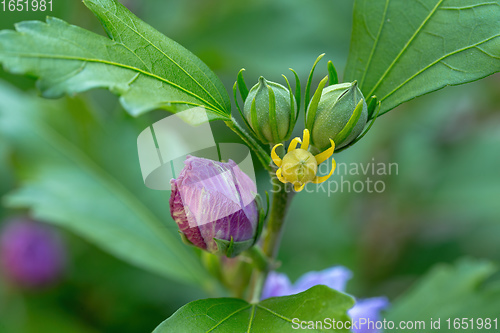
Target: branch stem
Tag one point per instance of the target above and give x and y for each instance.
(262, 155)
(282, 197)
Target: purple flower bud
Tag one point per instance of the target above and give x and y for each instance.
(214, 204)
(278, 284)
(32, 254)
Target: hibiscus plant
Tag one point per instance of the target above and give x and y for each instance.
(399, 50)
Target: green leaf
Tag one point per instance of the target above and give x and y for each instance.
(82, 173)
(271, 315)
(148, 70)
(404, 49)
(464, 290)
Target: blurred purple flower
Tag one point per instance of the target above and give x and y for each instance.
(214, 200)
(32, 254)
(369, 309)
(278, 284)
(334, 277)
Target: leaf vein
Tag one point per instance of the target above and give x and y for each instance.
(487, 53)
(451, 67)
(251, 318)
(405, 47)
(134, 29)
(375, 43)
(274, 313)
(229, 316)
(470, 7)
(437, 61)
(44, 56)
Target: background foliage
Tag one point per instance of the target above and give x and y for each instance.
(439, 208)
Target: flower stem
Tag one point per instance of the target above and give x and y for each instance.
(282, 197)
(256, 284)
(259, 259)
(262, 155)
(274, 229)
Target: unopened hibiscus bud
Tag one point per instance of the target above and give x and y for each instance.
(216, 206)
(340, 114)
(270, 110)
(32, 254)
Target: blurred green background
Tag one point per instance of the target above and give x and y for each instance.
(441, 207)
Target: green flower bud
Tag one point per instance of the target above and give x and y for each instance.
(341, 114)
(270, 110)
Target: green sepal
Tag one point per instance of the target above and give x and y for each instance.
(254, 121)
(372, 104)
(332, 73)
(242, 87)
(239, 109)
(346, 131)
(366, 130)
(309, 81)
(297, 92)
(313, 106)
(293, 113)
(231, 248)
(272, 115)
(184, 239)
(262, 215)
